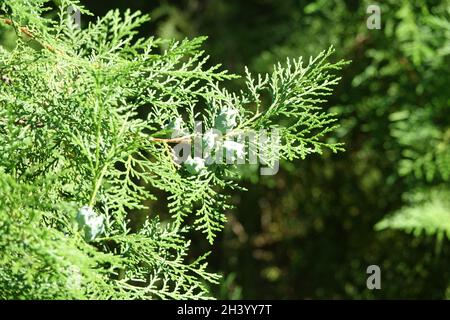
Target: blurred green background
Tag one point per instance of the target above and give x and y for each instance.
(313, 229)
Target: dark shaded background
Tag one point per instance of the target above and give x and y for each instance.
(309, 231)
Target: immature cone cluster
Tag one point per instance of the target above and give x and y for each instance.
(212, 145)
(5, 79)
(194, 165)
(226, 119)
(90, 223)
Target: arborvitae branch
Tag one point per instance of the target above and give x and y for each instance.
(86, 137)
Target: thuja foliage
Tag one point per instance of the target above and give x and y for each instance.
(87, 117)
(393, 105)
(421, 127)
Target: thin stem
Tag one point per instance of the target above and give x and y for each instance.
(172, 140)
(28, 33)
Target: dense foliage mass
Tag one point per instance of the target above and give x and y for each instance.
(308, 232)
(89, 120)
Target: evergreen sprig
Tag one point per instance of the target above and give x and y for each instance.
(85, 123)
